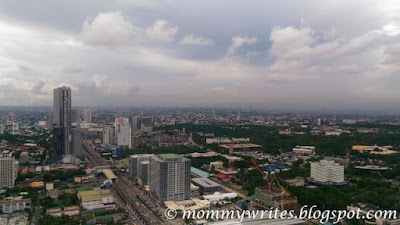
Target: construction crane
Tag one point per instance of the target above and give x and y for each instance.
(231, 165)
(281, 193)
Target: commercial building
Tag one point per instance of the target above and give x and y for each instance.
(326, 173)
(96, 199)
(123, 132)
(8, 170)
(62, 122)
(169, 178)
(206, 185)
(87, 116)
(77, 141)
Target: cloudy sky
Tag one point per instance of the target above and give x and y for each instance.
(250, 53)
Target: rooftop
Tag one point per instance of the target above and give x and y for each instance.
(205, 182)
(199, 172)
(169, 156)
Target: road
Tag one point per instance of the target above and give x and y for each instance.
(230, 189)
(94, 156)
(124, 197)
(137, 207)
(192, 142)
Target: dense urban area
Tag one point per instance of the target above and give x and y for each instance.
(97, 165)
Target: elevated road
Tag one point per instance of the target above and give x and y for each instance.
(136, 211)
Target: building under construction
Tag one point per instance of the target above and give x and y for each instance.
(274, 195)
(276, 198)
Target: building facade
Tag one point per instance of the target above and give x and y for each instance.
(134, 162)
(123, 132)
(109, 135)
(169, 178)
(62, 122)
(8, 170)
(12, 204)
(75, 116)
(77, 142)
(147, 124)
(136, 122)
(327, 172)
(87, 116)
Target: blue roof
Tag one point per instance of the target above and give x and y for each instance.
(269, 169)
(280, 166)
(274, 167)
(240, 206)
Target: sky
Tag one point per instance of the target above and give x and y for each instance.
(226, 53)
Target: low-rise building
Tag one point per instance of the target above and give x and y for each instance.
(191, 204)
(206, 185)
(304, 150)
(216, 165)
(218, 196)
(12, 204)
(49, 186)
(56, 212)
(96, 199)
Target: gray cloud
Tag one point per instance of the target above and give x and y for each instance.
(180, 53)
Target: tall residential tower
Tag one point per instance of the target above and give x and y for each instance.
(169, 178)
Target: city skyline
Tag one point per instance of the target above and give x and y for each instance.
(150, 112)
(156, 53)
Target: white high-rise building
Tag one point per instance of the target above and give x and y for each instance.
(327, 172)
(8, 170)
(87, 116)
(123, 132)
(169, 178)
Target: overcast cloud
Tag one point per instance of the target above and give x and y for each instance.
(263, 54)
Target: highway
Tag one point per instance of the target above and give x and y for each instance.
(137, 212)
(94, 156)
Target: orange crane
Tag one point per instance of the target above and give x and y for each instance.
(270, 182)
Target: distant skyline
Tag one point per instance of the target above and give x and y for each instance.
(297, 55)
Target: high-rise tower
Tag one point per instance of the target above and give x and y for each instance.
(62, 122)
